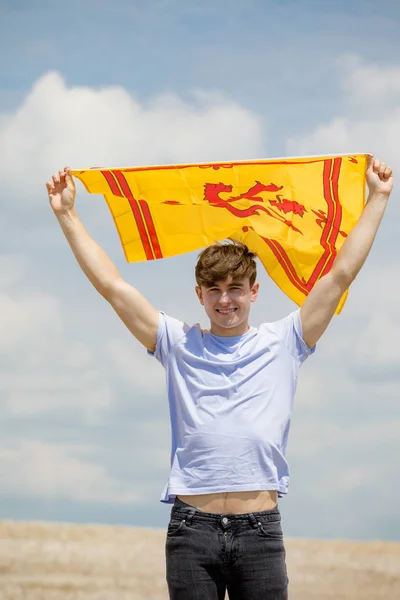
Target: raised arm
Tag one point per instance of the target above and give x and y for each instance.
(320, 305)
(133, 309)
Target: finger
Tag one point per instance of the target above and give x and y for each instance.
(49, 186)
(388, 173)
(377, 164)
(370, 161)
(69, 179)
(382, 168)
(61, 174)
(55, 179)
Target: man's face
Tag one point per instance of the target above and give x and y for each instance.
(227, 304)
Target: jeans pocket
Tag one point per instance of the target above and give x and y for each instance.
(270, 529)
(175, 525)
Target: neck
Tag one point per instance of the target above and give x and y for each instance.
(229, 331)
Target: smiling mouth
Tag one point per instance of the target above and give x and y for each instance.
(227, 311)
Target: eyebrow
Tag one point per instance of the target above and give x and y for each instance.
(231, 284)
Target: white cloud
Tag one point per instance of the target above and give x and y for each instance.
(311, 390)
(349, 440)
(370, 321)
(43, 369)
(135, 366)
(12, 269)
(87, 402)
(370, 85)
(372, 119)
(32, 468)
(378, 343)
(376, 289)
(25, 316)
(83, 127)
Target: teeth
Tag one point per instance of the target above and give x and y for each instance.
(226, 312)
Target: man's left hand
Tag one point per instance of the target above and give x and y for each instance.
(379, 177)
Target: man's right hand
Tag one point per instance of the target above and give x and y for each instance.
(140, 317)
(61, 191)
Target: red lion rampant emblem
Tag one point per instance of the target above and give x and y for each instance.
(213, 191)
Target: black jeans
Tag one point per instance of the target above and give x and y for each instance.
(208, 553)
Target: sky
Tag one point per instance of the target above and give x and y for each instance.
(84, 429)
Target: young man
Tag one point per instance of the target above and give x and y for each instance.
(230, 392)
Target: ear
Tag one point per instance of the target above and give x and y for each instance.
(254, 291)
(199, 294)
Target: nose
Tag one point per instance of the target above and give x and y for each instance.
(224, 298)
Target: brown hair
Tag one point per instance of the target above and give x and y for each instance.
(220, 260)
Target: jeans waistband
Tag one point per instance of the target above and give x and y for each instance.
(186, 510)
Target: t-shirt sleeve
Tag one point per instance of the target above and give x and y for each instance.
(291, 331)
(169, 332)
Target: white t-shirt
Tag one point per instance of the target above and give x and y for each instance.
(230, 401)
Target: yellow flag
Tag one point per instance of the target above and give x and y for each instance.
(295, 213)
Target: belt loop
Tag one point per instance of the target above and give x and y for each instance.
(252, 520)
(190, 516)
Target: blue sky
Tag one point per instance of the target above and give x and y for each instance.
(84, 423)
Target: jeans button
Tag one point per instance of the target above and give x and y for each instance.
(225, 520)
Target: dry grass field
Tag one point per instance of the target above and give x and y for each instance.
(43, 561)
